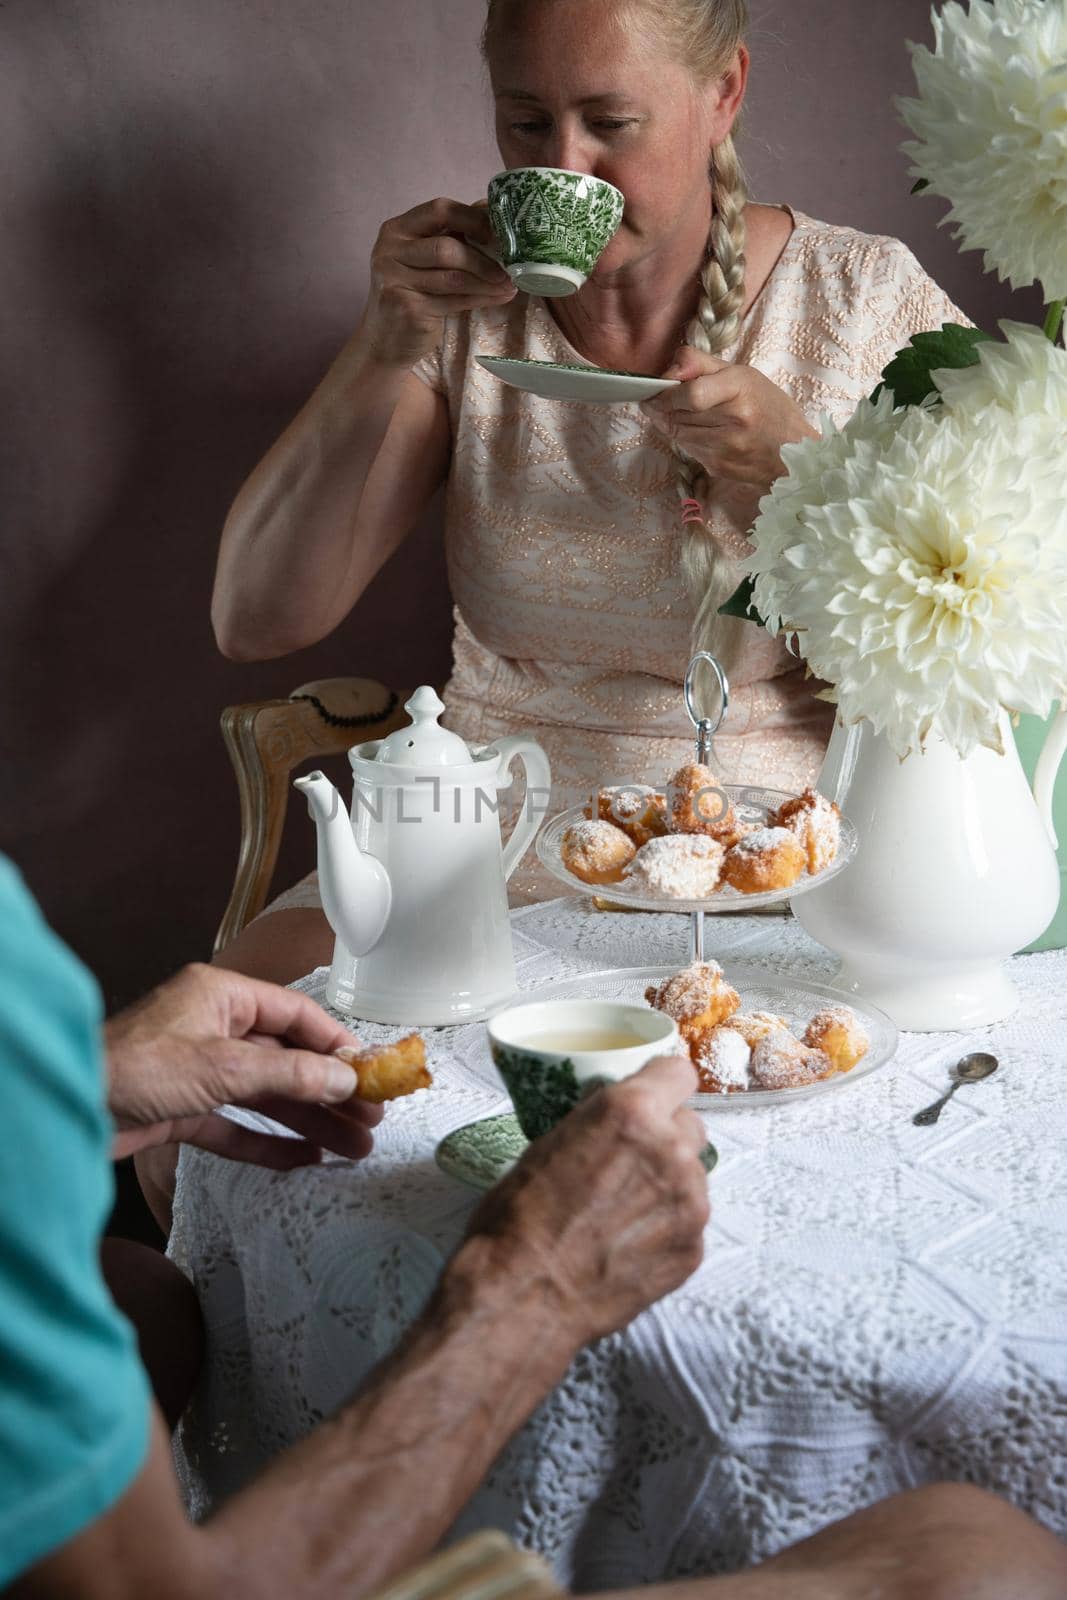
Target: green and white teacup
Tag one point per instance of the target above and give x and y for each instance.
(550, 1052)
(552, 226)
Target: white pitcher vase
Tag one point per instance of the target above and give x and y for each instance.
(955, 871)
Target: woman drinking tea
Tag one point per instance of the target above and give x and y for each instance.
(588, 547)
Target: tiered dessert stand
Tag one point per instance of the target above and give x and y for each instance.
(752, 803)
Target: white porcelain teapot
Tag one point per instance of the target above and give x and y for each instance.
(413, 877)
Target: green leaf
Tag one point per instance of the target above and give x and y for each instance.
(917, 188)
(740, 604)
(907, 376)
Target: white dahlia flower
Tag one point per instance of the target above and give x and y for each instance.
(921, 558)
(1027, 375)
(990, 125)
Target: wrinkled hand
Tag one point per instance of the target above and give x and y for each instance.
(608, 1210)
(422, 270)
(730, 419)
(210, 1037)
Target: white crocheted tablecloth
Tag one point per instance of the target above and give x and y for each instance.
(880, 1305)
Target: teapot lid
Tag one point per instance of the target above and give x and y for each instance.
(423, 743)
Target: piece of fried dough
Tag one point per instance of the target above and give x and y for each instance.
(596, 851)
(769, 858)
(698, 998)
(639, 811)
(816, 822)
(387, 1071)
(840, 1035)
(699, 804)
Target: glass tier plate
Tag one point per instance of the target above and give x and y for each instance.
(760, 990)
(752, 804)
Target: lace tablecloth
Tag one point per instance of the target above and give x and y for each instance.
(880, 1305)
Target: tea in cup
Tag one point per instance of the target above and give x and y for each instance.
(550, 1052)
(552, 225)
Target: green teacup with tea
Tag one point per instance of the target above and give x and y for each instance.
(552, 225)
(550, 1052)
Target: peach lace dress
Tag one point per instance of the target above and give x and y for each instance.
(563, 527)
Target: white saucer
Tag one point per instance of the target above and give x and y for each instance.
(555, 380)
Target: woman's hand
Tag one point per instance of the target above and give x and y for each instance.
(423, 269)
(210, 1037)
(730, 419)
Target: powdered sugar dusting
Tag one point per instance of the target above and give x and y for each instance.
(842, 1017)
(689, 992)
(761, 839)
(752, 1025)
(722, 1061)
(816, 822)
(679, 866)
(628, 801)
(780, 1061)
(598, 845)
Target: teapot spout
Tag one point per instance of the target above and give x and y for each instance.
(355, 889)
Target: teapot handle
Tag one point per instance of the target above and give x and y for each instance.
(538, 786)
(1047, 771)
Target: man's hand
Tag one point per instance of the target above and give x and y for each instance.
(607, 1212)
(730, 419)
(210, 1037)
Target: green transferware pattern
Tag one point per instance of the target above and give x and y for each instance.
(558, 217)
(542, 1092)
(578, 366)
(482, 1152)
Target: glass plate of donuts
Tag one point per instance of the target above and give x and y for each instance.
(632, 866)
(801, 1008)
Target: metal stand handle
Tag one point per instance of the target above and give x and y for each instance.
(706, 729)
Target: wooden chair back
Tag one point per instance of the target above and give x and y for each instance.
(267, 740)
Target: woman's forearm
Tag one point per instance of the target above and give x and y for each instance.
(301, 543)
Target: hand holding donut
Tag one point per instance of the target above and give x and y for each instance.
(729, 418)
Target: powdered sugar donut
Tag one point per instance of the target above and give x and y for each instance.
(768, 858)
(816, 822)
(596, 851)
(780, 1061)
(755, 1025)
(840, 1035)
(698, 998)
(722, 1059)
(680, 866)
(639, 811)
(700, 804)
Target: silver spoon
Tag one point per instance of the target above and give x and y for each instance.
(970, 1069)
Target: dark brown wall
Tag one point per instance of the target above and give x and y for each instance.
(190, 191)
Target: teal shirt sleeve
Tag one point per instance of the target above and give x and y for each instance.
(74, 1402)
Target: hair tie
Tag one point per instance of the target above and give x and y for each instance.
(692, 511)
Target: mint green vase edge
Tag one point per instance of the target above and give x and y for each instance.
(1030, 734)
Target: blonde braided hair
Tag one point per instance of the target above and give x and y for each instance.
(705, 36)
(707, 573)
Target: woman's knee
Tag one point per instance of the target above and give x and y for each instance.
(156, 1171)
(965, 1543)
(280, 947)
(162, 1305)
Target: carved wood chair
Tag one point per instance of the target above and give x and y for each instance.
(485, 1566)
(267, 740)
